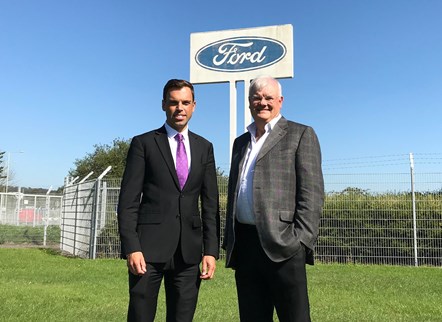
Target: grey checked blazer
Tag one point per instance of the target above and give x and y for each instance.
(288, 191)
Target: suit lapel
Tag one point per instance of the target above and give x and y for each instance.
(239, 154)
(164, 147)
(277, 133)
(194, 153)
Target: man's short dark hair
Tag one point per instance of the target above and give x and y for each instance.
(177, 84)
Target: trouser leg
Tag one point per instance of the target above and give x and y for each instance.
(143, 294)
(182, 284)
(289, 289)
(254, 296)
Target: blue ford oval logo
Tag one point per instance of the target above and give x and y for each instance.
(240, 54)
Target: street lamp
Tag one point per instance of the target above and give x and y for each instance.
(7, 172)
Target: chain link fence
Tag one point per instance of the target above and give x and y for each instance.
(367, 218)
(386, 218)
(89, 223)
(28, 219)
(382, 219)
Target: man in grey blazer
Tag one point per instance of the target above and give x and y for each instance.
(275, 199)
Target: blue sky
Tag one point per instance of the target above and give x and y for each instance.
(368, 77)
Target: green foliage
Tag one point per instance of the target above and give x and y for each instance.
(104, 155)
(2, 168)
(223, 181)
(38, 285)
(372, 228)
(10, 234)
(108, 241)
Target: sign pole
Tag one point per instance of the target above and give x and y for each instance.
(241, 55)
(232, 115)
(247, 116)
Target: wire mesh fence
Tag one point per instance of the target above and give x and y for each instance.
(367, 218)
(378, 219)
(29, 219)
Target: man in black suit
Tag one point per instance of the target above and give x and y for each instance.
(275, 198)
(168, 218)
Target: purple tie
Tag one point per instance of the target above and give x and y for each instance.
(182, 168)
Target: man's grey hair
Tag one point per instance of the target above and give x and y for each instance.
(262, 81)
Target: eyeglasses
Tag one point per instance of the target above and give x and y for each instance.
(258, 99)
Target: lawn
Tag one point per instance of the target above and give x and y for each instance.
(41, 285)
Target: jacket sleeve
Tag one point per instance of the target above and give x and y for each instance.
(309, 188)
(129, 199)
(210, 207)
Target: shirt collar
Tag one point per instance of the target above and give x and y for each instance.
(268, 127)
(171, 132)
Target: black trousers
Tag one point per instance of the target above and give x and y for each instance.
(263, 285)
(181, 282)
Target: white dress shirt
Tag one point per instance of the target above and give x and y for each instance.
(244, 204)
(171, 132)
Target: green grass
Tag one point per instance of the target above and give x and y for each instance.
(40, 285)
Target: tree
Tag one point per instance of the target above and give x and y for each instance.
(104, 155)
(114, 155)
(2, 169)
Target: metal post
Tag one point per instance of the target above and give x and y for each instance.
(46, 215)
(413, 198)
(18, 197)
(247, 116)
(232, 116)
(95, 215)
(93, 231)
(1, 208)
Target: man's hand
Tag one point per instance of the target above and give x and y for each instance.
(208, 267)
(136, 263)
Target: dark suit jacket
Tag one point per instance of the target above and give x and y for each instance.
(288, 191)
(154, 214)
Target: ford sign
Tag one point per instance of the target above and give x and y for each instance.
(240, 54)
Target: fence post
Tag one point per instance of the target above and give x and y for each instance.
(47, 215)
(46, 220)
(95, 212)
(93, 233)
(1, 208)
(413, 200)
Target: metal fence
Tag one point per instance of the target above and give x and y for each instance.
(368, 218)
(30, 219)
(382, 219)
(89, 222)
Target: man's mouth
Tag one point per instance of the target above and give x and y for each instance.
(179, 117)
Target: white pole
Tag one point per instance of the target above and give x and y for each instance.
(247, 116)
(73, 180)
(413, 198)
(232, 116)
(86, 177)
(104, 172)
(47, 215)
